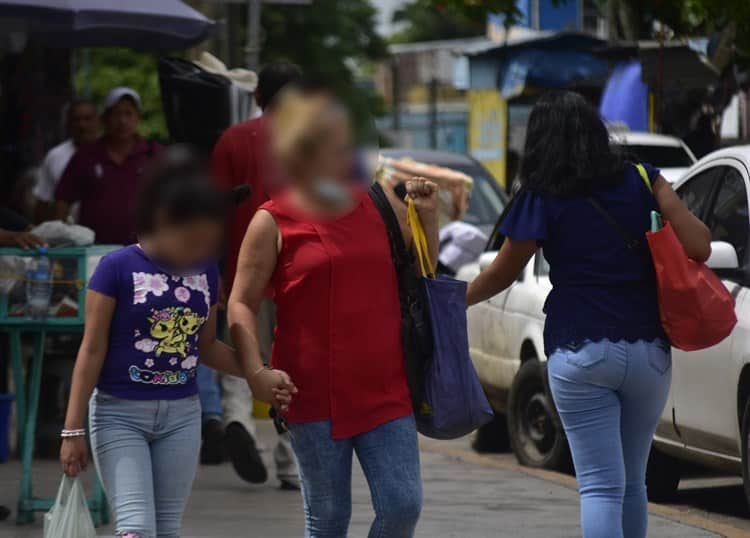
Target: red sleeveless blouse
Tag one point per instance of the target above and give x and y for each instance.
(338, 331)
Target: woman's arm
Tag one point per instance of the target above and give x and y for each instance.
(215, 353)
(424, 194)
(502, 272)
(88, 365)
(690, 230)
(255, 265)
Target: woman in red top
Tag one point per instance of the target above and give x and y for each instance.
(322, 248)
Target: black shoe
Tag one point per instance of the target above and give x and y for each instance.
(212, 449)
(244, 455)
(288, 484)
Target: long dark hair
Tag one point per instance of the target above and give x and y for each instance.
(568, 151)
(178, 186)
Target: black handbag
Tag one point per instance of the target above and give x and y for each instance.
(416, 332)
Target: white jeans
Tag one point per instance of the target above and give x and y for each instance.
(237, 400)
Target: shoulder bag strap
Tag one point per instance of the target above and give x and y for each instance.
(632, 243)
(400, 255)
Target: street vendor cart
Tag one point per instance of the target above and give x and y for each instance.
(71, 268)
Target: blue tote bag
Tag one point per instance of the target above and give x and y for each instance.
(453, 401)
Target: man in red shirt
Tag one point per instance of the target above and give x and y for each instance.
(242, 157)
(105, 176)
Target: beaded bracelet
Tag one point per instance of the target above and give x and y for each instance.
(73, 433)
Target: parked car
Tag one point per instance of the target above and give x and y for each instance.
(707, 418)
(487, 198)
(668, 153)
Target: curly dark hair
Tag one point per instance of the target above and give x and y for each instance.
(568, 151)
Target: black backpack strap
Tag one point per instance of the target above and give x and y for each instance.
(401, 257)
(630, 242)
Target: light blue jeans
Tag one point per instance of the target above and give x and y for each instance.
(610, 396)
(146, 454)
(389, 456)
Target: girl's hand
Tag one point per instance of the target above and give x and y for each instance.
(273, 387)
(74, 455)
(424, 194)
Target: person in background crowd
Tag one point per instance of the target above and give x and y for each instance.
(105, 177)
(82, 124)
(242, 157)
(14, 231)
(609, 360)
(323, 248)
(151, 312)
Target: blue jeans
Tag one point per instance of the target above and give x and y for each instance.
(209, 392)
(146, 454)
(389, 456)
(610, 396)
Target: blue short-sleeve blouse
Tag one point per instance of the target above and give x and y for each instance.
(600, 288)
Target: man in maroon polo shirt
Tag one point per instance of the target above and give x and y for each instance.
(242, 157)
(105, 176)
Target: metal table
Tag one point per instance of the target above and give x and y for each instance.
(27, 396)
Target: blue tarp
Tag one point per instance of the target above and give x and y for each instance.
(549, 69)
(625, 97)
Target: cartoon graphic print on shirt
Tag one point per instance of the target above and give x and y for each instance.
(171, 327)
(173, 330)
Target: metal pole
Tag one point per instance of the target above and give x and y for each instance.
(396, 94)
(253, 34)
(433, 112)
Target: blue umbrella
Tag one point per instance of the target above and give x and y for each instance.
(140, 24)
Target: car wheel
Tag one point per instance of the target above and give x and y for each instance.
(493, 436)
(536, 435)
(745, 450)
(662, 476)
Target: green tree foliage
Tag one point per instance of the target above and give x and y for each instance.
(334, 41)
(110, 67)
(423, 20)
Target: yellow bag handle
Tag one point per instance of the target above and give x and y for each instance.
(420, 240)
(644, 176)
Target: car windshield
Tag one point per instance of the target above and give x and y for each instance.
(486, 201)
(659, 156)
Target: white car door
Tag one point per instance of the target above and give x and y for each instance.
(705, 382)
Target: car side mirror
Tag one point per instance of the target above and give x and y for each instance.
(723, 256)
(486, 259)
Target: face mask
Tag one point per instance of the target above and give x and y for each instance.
(332, 192)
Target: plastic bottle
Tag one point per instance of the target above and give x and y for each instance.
(39, 286)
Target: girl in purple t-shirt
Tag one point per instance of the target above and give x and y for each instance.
(150, 317)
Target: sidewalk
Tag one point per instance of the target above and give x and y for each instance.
(462, 500)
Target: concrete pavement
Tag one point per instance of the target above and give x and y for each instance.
(465, 496)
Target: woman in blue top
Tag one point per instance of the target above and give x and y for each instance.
(609, 359)
(150, 318)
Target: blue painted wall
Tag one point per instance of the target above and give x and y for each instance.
(564, 16)
(451, 136)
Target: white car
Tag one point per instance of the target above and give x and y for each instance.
(668, 153)
(707, 418)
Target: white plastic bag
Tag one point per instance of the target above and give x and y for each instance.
(57, 233)
(69, 517)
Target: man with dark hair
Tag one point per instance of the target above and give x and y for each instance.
(272, 79)
(104, 177)
(242, 157)
(81, 123)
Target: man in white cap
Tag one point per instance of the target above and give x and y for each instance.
(105, 176)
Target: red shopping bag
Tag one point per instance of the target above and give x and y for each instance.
(697, 311)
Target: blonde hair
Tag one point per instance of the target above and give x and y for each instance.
(300, 123)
